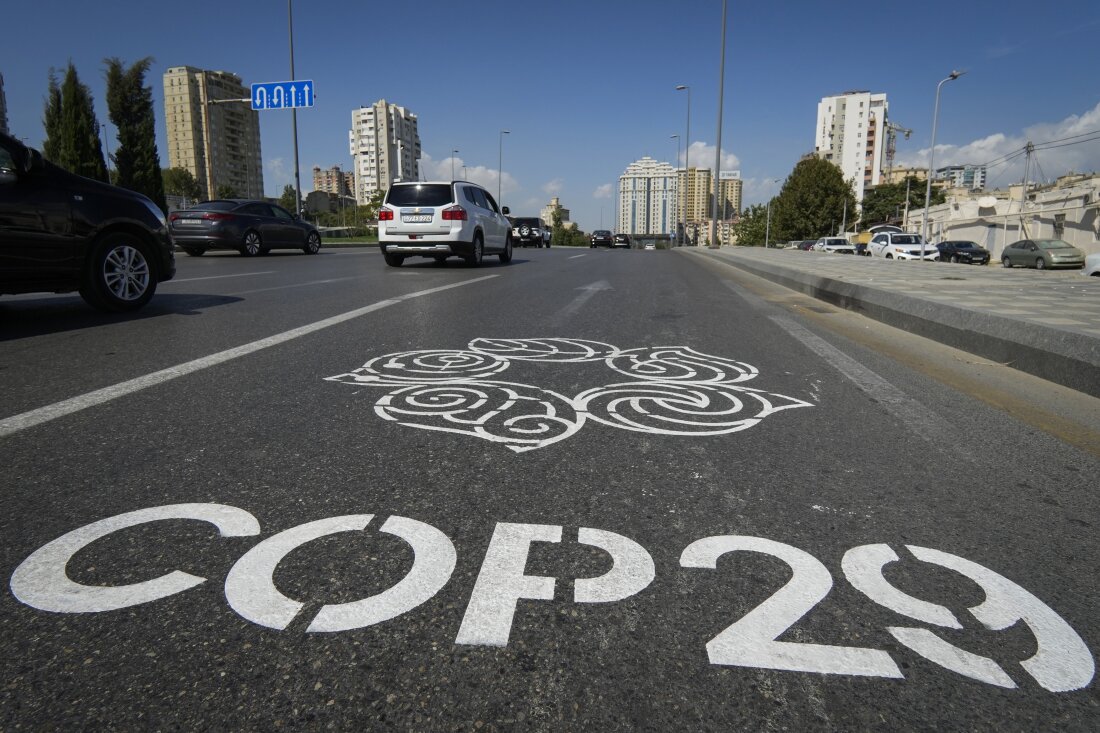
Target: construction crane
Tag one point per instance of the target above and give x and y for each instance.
(892, 131)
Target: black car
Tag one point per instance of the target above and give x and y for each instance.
(601, 238)
(250, 227)
(60, 232)
(960, 251)
(622, 240)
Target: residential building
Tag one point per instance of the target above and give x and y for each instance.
(333, 180)
(385, 147)
(898, 175)
(851, 134)
(730, 187)
(647, 198)
(210, 133)
(3, 107)
(555, 207)
(694, 196)
(970, 177)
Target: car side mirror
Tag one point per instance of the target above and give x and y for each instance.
(506, 211)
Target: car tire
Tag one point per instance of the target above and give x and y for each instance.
(955, 259)
(1005, 262)
(889, 257)
(251, 245)
(393, 260)
(506, 255)
(1040, 264)
(313, 244)
(474, 260)
(195, 251)
(119, 275)
(439, 260)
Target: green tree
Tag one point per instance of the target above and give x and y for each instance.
(370, 210)
(74, 139)
(225, 191)
(51, 119)
(886, 203)
(752, 229)
(130, 105)
(288, 200)
(180, 182)
(812, 202)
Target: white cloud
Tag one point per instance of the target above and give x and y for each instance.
(759, 190)
(604, 191)
(702, 156)
(1046, 164)
(553, 188)
(433, 170)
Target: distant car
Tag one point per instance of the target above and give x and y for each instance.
(441, 220)
(834, 245)
(621, 240)
(250, 227)
(961, 251)
(1092, 265)
(807, 244)
(1042, 254)
(901, 246)
(650, 245)
(601, 238)
(60, 232)
(528, 231)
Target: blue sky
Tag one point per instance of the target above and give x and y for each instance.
(587, 87)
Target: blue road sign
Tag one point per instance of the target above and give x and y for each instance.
(282, 94)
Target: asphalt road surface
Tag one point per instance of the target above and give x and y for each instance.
(589, 490)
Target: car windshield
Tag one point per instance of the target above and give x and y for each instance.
(424, 194)
(216, 205)
(1052, 244)
(964, 245)
(907, 239)
(836, 242)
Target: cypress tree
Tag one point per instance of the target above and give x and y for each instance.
(51, 120)
(130, 105)
(79, 148)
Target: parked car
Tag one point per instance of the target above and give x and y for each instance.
(440, 220)
(1092, 265)
(834, 245)
(250, 227)
(901, 246)
(807, 244)
(601, 238)
(650, 245)
(1042, 253)
(960, 251)
(528, 231)
(621, 240)
(60, 232)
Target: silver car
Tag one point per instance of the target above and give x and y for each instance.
(440, 220)
(1042, 254)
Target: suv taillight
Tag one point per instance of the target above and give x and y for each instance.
(385, 215)
(454, 213)
(216, 216)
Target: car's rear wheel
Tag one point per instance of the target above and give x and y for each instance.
(479, 252)
(251, 245)
(119, 276)
(313, 244)
(393, 260)
(1005, 262)
(506, 255)
(195, 251)
(955, 259)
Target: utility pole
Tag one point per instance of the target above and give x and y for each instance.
(1023, 189)
(294, 114)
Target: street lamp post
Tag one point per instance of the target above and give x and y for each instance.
(500, 161)
(676, 169)
(453, 154)
(687, 150)
(714, 243)
(768, 222)
(931, 157)
(294, 115)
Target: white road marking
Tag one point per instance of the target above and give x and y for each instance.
(576, 256)
(16, 423)
(219, 277)
(294, 285)
(587, 291)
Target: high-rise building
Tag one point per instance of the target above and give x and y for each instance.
(970, 177)
(647, 198)
(694, 196)
(333, 180)
(3, 107)
(730, 187)
(851, 133)
(385, 145)
(217, 141)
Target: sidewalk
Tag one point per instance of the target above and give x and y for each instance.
(1046, 323)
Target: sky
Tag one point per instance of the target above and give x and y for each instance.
(587, 87)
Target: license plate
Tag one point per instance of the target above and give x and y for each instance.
(416, 218)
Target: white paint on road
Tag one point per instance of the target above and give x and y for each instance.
(16, 423)
(576, 256)
(217, 277)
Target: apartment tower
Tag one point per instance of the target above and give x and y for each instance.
(217, 141)
(333, 180)
(851, 133)
(647, 198)
(385, 145)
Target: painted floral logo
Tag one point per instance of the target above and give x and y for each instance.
(664, 390)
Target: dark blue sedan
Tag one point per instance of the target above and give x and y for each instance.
(250, 227)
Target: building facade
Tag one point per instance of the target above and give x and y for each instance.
(694, 192)
(385, 145)
(730, 188)
(333, 180)
(217, 141)
(851, 134)
(3, 107)
(555, 207)
(647, 198)
(970, 177)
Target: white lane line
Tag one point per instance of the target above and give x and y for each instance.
(218, 277)
(587, 291)
(294, 285)
(16, 423)
(576, 256)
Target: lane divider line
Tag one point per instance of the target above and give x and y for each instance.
(31, 418)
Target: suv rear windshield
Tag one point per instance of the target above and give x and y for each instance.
(526, 221)
(216, 205)
(425, 194)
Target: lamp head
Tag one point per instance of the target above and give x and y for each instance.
(681, 87)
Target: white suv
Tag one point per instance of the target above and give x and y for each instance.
(835, 245)
(441, 220)
(901, 246)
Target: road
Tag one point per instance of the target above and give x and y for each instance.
(589, 490)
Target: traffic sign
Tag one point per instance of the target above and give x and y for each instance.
(282, 94)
